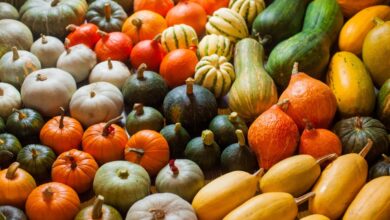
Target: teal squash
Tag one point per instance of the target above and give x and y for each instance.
(14, 34)
(2, 125)
(98, 210)
(380, 168)
(177, 138)
(108, 15)
(12, 213)
(144, 118)
(383, 104)
(7, 11)
(9, 149)
(24, 123)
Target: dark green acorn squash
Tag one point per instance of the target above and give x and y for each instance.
(354, 132)
(24, 123)
(37, 160)
(177, 138)
(380, 168)
(383, 104)
(2, 125)
(144, 118)
(11, 213)
(127, 5)
(9, 149)
(107, 15)
(7, 11)
(204, 151)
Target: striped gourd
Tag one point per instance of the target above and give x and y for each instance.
(215, 44)
(179, 36)
(229, 23)
(215, 73)
(248, 9)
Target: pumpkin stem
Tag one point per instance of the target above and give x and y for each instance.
(378, 21)
(107, 129)
(12, 170)
(177, 127)
(157, 38)
(21, 114)
(138, 151)
(137, 23)
(107, 11)
(259, 173)
(71, 28)
(54, 3)
(308, 125)
(61, 124)
(326, 158)
(284, 104)
(102, 33)
(92, 94)
(240, 138)
(263, 41)
(190, 86)
(2, 216)
(295, 68)
(123, 174)
(66, 45)
(1, 91)
(109, 62)
(359, 122)
(73, 164)
(34, 153)
(140, 71)
(48, 193)
(208, 137)
(139, 109)
(158, 214)
(43, 39)
(300, 200)
(97, 207)
(173, 167)
(15, 53)
(363, 153)
(233, 117)
(41, 77)
(384, 156)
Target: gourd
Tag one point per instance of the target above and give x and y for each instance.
(159, 6)
(182, 177)
(383, 112)
(7, 11)
(215, 44)
(9, 99)
(83, 34)
(15, 65)
(24, 123)
(112, 71)
(228, 192)
(14, 34)
(121, 183)
(177, 138)
(380, 168)
(9, 149)
(51, 84)
(247, 9)
(107, 15)
(351, 7)
(180, 36)
(96, 102)
(98, 210)
(47, 49)
(253, 91)
(339, 183)
(144, 118)
(10, 212)
(114, 45)
(149, 52)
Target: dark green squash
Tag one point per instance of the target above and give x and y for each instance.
(224, 128)
(127, 5)
(354, 132)
(204, 151)
(192, 105)
(239, 156)
(144, 118)
(37, 160)
(107, 15)
(7, 11)
(24, 123)
(145, 87)
(14, 33)
(177, 138)
(380, 168)
(98, 210)
(383, 104)
(9, 149)
(11, 213)
(2, 125)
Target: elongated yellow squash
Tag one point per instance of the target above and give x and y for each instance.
(315, 217)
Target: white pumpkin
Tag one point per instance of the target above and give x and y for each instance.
(112, 71)
(48, 49)
(165, 206)
(96, 102)
(47, 90)
(78, 60)
(9, 99)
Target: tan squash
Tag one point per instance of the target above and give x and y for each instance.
(315, 217)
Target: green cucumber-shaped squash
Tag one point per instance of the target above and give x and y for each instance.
(383, 103)
(253, 91)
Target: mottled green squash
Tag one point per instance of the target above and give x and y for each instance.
(24, 123)
(144, 118)
(9, 149)
(108, 15)
(177, 138)
(380, 168)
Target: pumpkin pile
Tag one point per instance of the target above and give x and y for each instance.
(194, 109)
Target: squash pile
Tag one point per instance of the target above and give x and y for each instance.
(194, 109)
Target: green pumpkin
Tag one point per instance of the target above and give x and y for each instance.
(14, 34)
(127, 5)
(177, 138)
(7, 11)
(122, 183)
(11, 213)
(224, 128)
(239, 156)
(383, 104)
(144, 118)
(380, 168)
(2, 125)
(354, 132)
(9, 149)
(145, 87)
(204, 151)
(37, 160)
(107, 15)
(98, 211)
(24, 123)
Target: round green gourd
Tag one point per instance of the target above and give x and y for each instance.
(177, 138)
(2, 125)
(14, 34)
(7, 11)
(107, 15)
(9, 149)
(12, 213)
(383, 104)
(98, 211)
(380, 168)
(24, 123)
(144, 118)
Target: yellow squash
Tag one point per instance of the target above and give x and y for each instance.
(372, 202)
(354, 31)
(315, 217)
(339, 183)
(222, 195)
(351, 83)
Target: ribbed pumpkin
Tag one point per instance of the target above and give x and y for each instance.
(83, 34)
(47, 49)
(144, 118)
(114, 45)
(248, 9)
(177, 138)
(9, 149)
(107, 15)
(98, 210)
(383, 98)
(10, 212)
(150, 52)
(215, 44)
(380, 168)
(112, 71)
(179, 36)
(159, 6)
(351, 7)
(24, 123)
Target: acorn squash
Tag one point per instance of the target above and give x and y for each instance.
(144, 118)
(380, 168)
(177, 138)
(9, 149)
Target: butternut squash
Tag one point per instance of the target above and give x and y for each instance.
(315, 217)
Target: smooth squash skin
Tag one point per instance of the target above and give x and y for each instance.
(315, 217)
(351, 7)
(372, 202)
(351, 84)
(383, 104)
(355, 29)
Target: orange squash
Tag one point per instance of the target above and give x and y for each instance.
(114, 46)
(159, 6)
(212, 5)
(351, 7)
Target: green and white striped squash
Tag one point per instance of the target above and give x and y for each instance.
(179, 36)
(229, 23)
(248, 9)
(215, 44)
(215, 73)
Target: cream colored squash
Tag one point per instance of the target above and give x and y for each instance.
(248, 9)
(48, 49)
(178, 37)
(216, 44)
(9, 99)
(112, 71)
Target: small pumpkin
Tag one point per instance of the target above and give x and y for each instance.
(247, 9)
(149, 149)
(112, 71)
(383, 98)
(114, 45)
(107, 15)
(47, 49)
(177, 138)
(14, 33)
(7, 11)
(83, 34)
(180, 36)
(98, 210)
(204, 151)
(159, 6)
(150, 52)
(215, 44)
(351, 7)
(13, 213)
(380, 168)
(9, 99)
(9, 149)
(144, 118)
(212, 5)
(24, 123)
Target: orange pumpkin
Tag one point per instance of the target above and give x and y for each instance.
(76, 169)
(149, 52)
(212, 5)
(159, 6)
(62, 133)
(273, 136)
(105, 141)
(190, 13)
(149, 149)
(83, 34)
(15, 186)
(114, 46)
(351, 7)
(52, 201)
(144, 25)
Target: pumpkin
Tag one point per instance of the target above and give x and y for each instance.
(51, 84)
(7, 11)
(9, 148)
(83, 34)
(14, 34)
(351, 7)
(47, 49)
(74, 168)
(127, 5)
(16, 184)
(98, 211)
(144, 118)
(177, 138)
(112, 71)
(191, 105)
(180, 36)
(38, 16)
(247, 9)
(380, 168)
(148, 149)
(121, 183)
(58, 200)
(150, 52)
(13, 213)
(96, 102)
(16, 65)
(212, 5)
(107, 15)
(24, 123)
(382, 104)
(9, 99)
(114, 45)
(354, 132)
(182, 177)
(145, 87)
(159, 6)
(16, 3)
(215, 44)
(105, 141)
